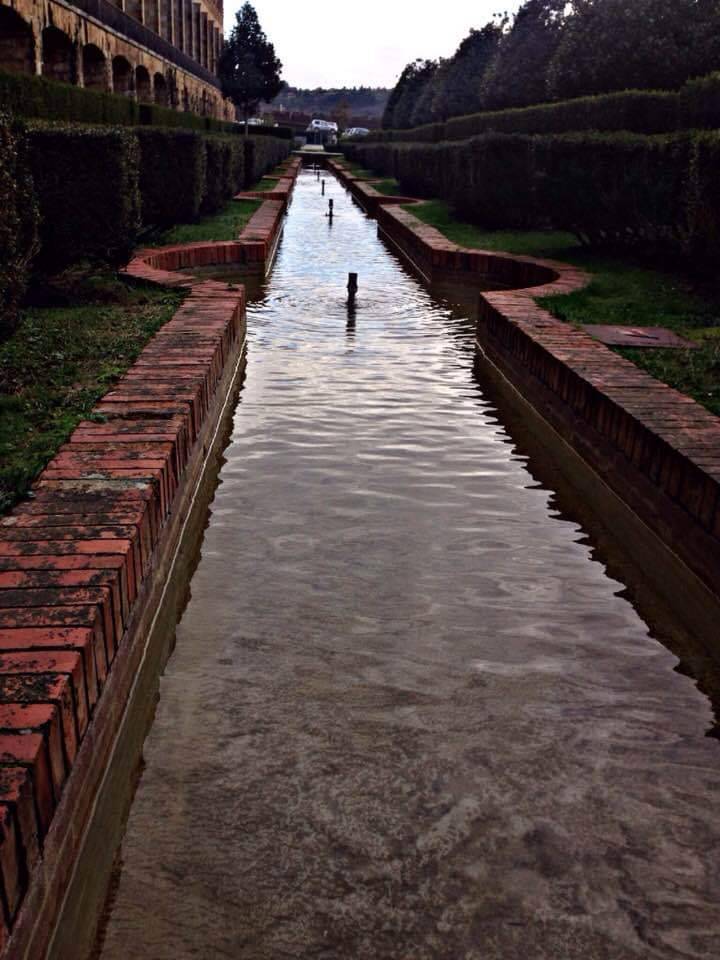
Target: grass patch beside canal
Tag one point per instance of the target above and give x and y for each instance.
(622, 291)
(355, 170)
(266, 184)
(61, 360)
(390, 188)
(225, 225)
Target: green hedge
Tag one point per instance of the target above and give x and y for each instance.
(610, 189)
(219, 187)
(94, 186)
(38, 98)
(18, 223)
(261, 155)
(87, 185)
(173, 173)
(696, 105)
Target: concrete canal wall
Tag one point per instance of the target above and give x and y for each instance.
(656, 448)
(83, 570)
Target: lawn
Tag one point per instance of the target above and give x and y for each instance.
(60, 361)
(389, 187)
(225, 225)
(357, 171)
(622, 291)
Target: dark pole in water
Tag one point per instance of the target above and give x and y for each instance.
(331, 210)
(352, 288)
(323, 188)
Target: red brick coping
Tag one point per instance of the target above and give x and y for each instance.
(77, 565)
(658, 449)
(82, 566)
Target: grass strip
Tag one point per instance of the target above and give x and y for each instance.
(60, 361)
(225, 225)
(623, 291)
(390, 188)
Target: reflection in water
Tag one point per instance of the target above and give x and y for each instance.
(410, 713)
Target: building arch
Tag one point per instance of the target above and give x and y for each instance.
(143, 85)
(161, 90)
(95, 71)
(58, 56)
(17, 43)
(122, 76)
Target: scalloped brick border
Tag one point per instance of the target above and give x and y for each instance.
(656, 448)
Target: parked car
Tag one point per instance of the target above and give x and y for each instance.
(355, 132)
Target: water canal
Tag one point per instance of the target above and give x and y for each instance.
(410, 714)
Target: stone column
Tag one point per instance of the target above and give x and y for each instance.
(179, 19)
(166, 19)
(135, 9)
(152, 15)
(204, 39)
(187, 20)
(196, 31)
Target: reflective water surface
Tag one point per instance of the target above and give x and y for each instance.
(409, 715)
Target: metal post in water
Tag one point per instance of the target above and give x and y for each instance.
(331, 210)
(323, 188)
(352, 288)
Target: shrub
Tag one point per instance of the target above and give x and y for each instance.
(609, 189)
(262, 154)
(86, 180)
(172, 175)
(18, 224)
(42, 99)
(702, 202)
(612, 189)
(219, 175)
(38, 98)
(700, 103)
(695, 106)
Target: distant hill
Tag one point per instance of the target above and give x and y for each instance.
(349, 106)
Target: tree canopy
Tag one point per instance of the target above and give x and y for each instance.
(559, 49)
(248, 69)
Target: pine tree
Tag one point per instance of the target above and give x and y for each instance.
(248, 69)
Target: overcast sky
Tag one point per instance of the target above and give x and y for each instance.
(365, 43)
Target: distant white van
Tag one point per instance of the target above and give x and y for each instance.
(324, 125)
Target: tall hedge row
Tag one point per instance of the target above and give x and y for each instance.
(18, 223)
(87, 186)
(38, 98)
(696, 105)
(173, 172)
(92, 188)
(606, 188)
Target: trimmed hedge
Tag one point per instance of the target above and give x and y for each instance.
(262, 155)
(696, 105)
(611, 189)
(173, 172)
(95, 186)
(219, 187)
(18, 224)
(38, 98)
(87, 185)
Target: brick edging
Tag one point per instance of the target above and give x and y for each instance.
(82, 566)
(658, 449)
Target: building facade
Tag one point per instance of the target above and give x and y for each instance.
(157, 51)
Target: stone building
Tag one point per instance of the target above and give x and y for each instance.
(157, 51)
